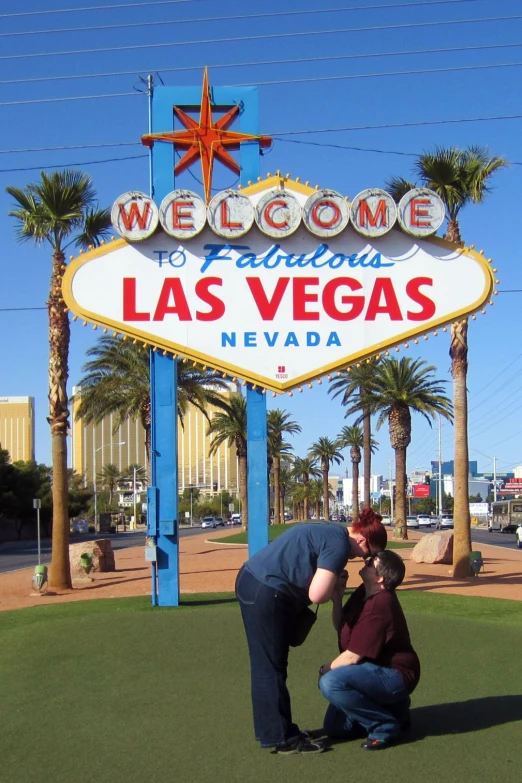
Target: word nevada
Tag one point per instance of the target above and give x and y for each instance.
(278, 213)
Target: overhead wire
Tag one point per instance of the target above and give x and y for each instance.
(256, 63)
(235, 17)
(266, 37)
(68, 165)
(94, 8)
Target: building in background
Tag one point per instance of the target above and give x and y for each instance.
(99, 445)
(17, 427)
(449, 470)
(376, 488)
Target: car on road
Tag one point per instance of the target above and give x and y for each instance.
(445, 522)
(235, 519)
(424, 520)
(412, 522)
(208, 522)
(519, 536)
(220, 522)
(387, 520)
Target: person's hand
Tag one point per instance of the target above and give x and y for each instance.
(322, 670)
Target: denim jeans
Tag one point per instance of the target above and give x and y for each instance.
(372, 696)
(268, 616)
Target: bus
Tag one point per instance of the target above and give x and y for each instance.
(505, 516)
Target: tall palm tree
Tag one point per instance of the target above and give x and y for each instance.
(279, 423)
(402, 386)
(354, 380)
(327, 451)
(285, 484)
(304, 469)
(61, 209)
(315, 495)
(230, 425)
(117, 380)
(109, 476)
(459, 177)
(352, 437)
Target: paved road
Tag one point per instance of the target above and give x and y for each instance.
(24, 554)
(482, 536)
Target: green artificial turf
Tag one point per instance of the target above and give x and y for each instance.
(274, 531)
(116, 691)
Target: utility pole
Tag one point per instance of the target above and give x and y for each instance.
(494, 479)
(439, 487)
(391, 490)
(134, 523)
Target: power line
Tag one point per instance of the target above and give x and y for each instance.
(281, 81)
(271, 36)
(19, 309)
(236, 17)
(256, 63)
(68, 165)
(94, 8)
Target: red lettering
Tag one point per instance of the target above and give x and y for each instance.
(180, 217)
(135, 216)
(267, 307)
(172, 285)
(225, 217)
(129, 302)
(417, 211)
(316, 216)
(267, 214)
(302, 296)
(383, 287)
(374, 219)
(356, 303)
(427, 304)
(217, 306)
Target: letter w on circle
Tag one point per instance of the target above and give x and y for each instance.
(135, 216)
(267, 307)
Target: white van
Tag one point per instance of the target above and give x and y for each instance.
(235, 519)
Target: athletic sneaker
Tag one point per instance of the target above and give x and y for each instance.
(300, 744)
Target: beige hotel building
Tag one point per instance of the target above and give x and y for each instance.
(17, 427)
(93, 446)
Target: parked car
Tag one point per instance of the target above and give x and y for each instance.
(208, 522)
(519, 536)
(445, 522)
(424, 520)
(412, 522)
(387, 520)
(220, 521)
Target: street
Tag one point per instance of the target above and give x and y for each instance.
(15, 555)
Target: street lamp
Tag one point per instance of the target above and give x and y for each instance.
(120, 443)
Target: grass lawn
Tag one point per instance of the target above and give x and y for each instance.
(115, 691)
(275, 530)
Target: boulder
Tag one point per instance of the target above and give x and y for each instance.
(434, 548)
(102, 556)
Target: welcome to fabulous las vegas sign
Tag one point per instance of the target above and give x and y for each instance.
(277, 283)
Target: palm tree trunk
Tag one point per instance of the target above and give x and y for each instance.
(59, 337)
(146, 424)
(453, 232)
(367, 457)
(277, 505)
(318, 509)
(326, 489)
(282, 496)
(400, 491)
(306, 509)
(355, 489)
(242, 458)
(461, 516)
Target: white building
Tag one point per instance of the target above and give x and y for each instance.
(518, 472)
(376, 488)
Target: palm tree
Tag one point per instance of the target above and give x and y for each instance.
(60, 209)
(352, 437)
(304, 469)
(117, 380)
(459, 177)
(354, 380)
(327, 451)
(109, 476)
(315, 495)
(230, 425)
(399, 387)
(279, 424)
(285, 484)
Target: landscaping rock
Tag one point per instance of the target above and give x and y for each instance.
(102, 556)
(434, 548)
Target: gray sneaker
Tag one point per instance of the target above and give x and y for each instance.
(300, 744)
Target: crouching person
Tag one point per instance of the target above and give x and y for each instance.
(369, 684)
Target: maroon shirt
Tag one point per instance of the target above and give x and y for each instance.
(375, 628)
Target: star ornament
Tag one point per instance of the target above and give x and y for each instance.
(206, 139)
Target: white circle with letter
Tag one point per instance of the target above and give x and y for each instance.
(230, 214)
(374, 212)
(278, 214)
(421, 212)
(326, 213)
(134, 216)
(182, 214)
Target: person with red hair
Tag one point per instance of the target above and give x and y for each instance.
(368, 528)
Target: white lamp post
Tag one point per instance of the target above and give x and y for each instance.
(120, 443)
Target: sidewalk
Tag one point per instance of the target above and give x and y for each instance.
(209, 567)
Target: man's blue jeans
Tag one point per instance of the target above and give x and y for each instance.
(268, 615)
(372, 696)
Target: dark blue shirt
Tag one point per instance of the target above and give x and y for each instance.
(290, 562)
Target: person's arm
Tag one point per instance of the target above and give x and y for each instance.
(346, 658)
(322, 586)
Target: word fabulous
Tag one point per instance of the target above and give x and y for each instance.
(278, 213)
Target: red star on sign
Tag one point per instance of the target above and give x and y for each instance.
(206, 139)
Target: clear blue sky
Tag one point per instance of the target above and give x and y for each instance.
(495, 384)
